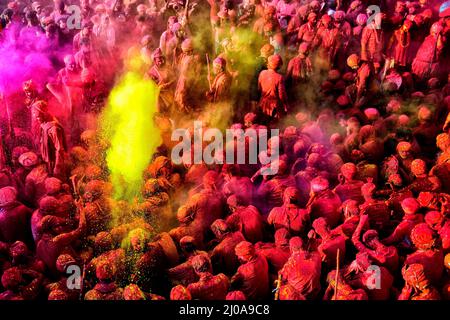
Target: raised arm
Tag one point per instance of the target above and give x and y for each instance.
(65, 239)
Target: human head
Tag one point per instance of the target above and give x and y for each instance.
(219, 65)
(447, 261)
(201, 264)
(423, 237)
(443, 141)
(414, 275)
(57, 295)
(29, 88)
(326, 20)
(103, 241)
(424, 114)
(86, 29)
(281, 237)
(48, 205)
(235, 295)
(368, 189)
(187, 46)
(171, 21)
(436, 29)
(320, 226)
(11, 278)
(93, 190)
(52, 185)
(180, 292)
(303, 49)
(353, 61)
(133, 292)
(8, 195)
(291, 195)
(158, 57)
(404, 149)
(350, 208)
(269, 12)
(410, 205)
(312, 18)
(138, 239)
(434, 219)
(370, 238)
(295, 244)
(104, 271)
(63, 262)
(361, 19)
(348, 170)
(319, 184)
(418, 167)
(339, 16)
(274, 62)
(244, 251)
(187, 244)
(18, 252)
(219, 228)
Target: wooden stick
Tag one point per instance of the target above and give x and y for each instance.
(277, 289)
(80, 297)
(186, 10)
(4, 100)
(336, 279)
(209, 72)
(74, 184)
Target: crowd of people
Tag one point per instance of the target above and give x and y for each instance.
(357, 210)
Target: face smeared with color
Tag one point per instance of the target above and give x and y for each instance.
(165, 171)
(86, 31)
(171, 22)
(244, 258)
(40, 116)
(399, 7)
(105, 20)
(70, 64)
(141, 10)
(84, 4)
(18, 251)
(312, 19)
(404, 154)
(29, 92)
(137, 242)
(159, 61)
(217, 68)
(180, 34)
(62, 25)
(50, 32)
(268, 16)
(326, 22)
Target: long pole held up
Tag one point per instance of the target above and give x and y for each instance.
(209, 71)
(336, 279)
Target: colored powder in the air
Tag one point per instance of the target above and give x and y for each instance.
(127, 123)
(25, 55)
